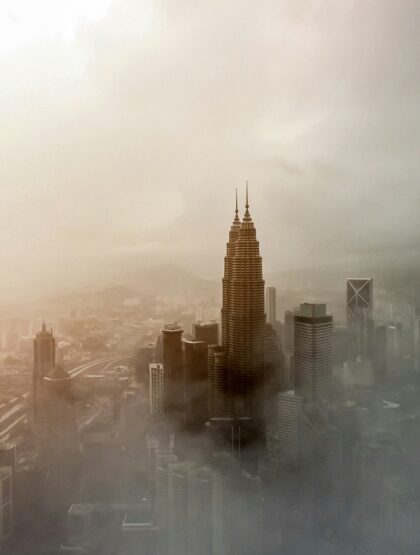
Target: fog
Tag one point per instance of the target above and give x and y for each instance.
(126, 126)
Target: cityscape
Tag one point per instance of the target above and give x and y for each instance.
(210, 277)
(235, 432)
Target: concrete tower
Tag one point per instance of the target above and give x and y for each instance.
(313, 353)
(246, 322)
(44, 362)
(230, 252)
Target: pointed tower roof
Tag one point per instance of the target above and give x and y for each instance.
(247, 216)
(236, 219)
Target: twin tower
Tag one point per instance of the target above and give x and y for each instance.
(236, 367)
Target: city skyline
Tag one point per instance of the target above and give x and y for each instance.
(210, 278)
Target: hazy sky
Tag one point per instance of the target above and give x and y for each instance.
(126, 126)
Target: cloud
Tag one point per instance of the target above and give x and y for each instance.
(135, 134)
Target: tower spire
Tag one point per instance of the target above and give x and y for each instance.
(236, 219)
(247, 215)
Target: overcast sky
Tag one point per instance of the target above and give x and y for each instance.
(127, 124)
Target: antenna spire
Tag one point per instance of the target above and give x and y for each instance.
(247, 215)
(236, 220)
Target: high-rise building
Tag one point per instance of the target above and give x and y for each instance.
(207, 332)
(360, 314)
(156, 389)
(271, 309)
(227, 276)
(44, 362)
(313, 353)
(245, 326)
(285, 435)
(236, 368)
(196, 382)
(288, 332)
(217, 382)
(173, 366)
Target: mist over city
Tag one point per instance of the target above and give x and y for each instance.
(210, 284)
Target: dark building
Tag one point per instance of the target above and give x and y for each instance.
(236, 370)
(196, 383)
(207, 332)
(313, 353)
(226, 281)
(245, 322)
(44, 362)
(173, 366)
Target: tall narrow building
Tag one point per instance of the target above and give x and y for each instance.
(173, 367)
(245, 324)
(230, 252)
(44, 362)
(313, 353)
(271, 306)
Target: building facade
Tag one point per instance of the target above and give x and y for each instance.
(313, 353)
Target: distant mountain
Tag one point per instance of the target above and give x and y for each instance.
(170, 279)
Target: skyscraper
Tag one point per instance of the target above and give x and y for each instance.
(173, 366)
(236, 368)
(245, 323)
(359, 314)
(313, 353)
(44, 362)
(226, 281)
(156, 389)
(271, 305)
(196, 383)
(207, 332)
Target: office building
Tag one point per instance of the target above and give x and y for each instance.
(173, 365)
(284, 439)
(156, 389)
(227, 276)
(288, 332)
(196, 382)
(271, 308)
(44, 362)
(360, 315)
(207, 332)
(313, 353)
(245, 322)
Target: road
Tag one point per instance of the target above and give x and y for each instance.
(16, 415)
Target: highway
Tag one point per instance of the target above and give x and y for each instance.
(16, 414)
